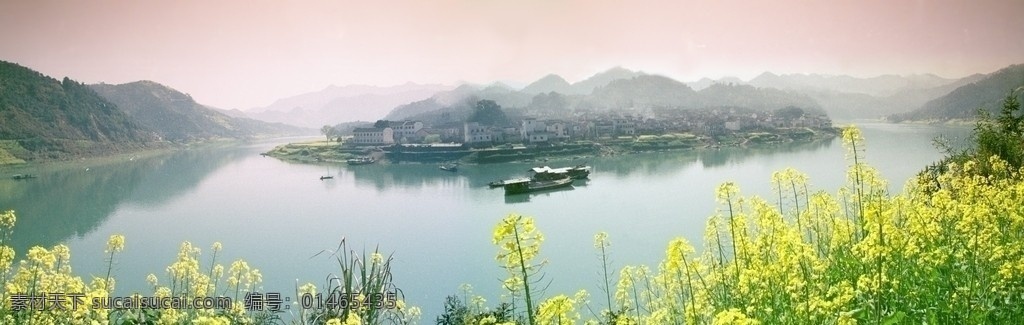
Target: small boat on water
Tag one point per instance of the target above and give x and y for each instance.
(361, 161)
(22, 176)
(450, 167)
(527, 185)
(576, 172)
(326, 177)
(497, 183)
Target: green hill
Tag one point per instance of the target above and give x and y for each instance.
(43, 118)
(176, 117)
(964, 102)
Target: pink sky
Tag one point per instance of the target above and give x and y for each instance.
(242, 54)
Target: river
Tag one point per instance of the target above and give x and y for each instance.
(279, 215)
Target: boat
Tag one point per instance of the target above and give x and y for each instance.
(328, 176)
(575, 172)
(497, 183)
(528, 185)
(361, 161)
(22, 176)
(450, 167)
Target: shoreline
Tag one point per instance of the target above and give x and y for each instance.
(321, 151)
(163, 149)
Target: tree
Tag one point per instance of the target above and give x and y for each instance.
(488, 112)
(789, 112)
(380, 124)
(328, 131)
(1001, 136)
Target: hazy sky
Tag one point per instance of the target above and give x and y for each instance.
(242, 54)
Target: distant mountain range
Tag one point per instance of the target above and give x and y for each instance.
(336, 104)
(839, 96)
(851, 97)
(42, 118)
(617, 89)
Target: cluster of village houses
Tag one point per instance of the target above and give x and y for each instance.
(585, 127)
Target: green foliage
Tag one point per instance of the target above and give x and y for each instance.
(457, 312)
(1001, 136)
(488, 112)
(51, 118)
(789, 112)
(362, 290)
(175, 116)
(432, 138)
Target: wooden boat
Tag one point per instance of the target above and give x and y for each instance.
(22, 176)
(326, 177)
(576, 172)
(526, 185)
(361, 161)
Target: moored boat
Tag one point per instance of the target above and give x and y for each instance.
(526, 185)
(361, 161)
(497, 183)
(22, 176)
(576, 172)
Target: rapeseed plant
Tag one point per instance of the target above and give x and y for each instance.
(948, 249)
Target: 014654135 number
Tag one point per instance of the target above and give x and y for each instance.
(341, 300)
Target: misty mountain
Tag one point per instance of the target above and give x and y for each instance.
(175, 116)
(43, 118)
(550, 83)
(642, 91)
(707, 82)
(880, 86)
(448, 105)
(339, 104)
(963, 102)
(761, 99)
(604, 78)
(850, 97)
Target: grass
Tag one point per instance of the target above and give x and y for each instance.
(314, 151)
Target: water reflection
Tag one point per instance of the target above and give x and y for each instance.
(73, 199)
(384, 176)
(525, 197)
(725, 156)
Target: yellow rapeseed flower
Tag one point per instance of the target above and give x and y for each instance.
(115, 243)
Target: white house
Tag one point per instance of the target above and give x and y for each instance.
(406, 131)
(373, 136)
(473, 132)
(531, 126)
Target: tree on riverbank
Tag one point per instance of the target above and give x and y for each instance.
(328, 131)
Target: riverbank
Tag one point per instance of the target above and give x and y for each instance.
(324, 151)
(31, 167)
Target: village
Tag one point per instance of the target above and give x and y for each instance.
(713, 125)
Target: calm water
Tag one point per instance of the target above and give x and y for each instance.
(278, 215)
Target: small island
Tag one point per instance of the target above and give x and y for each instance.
(489, 136)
